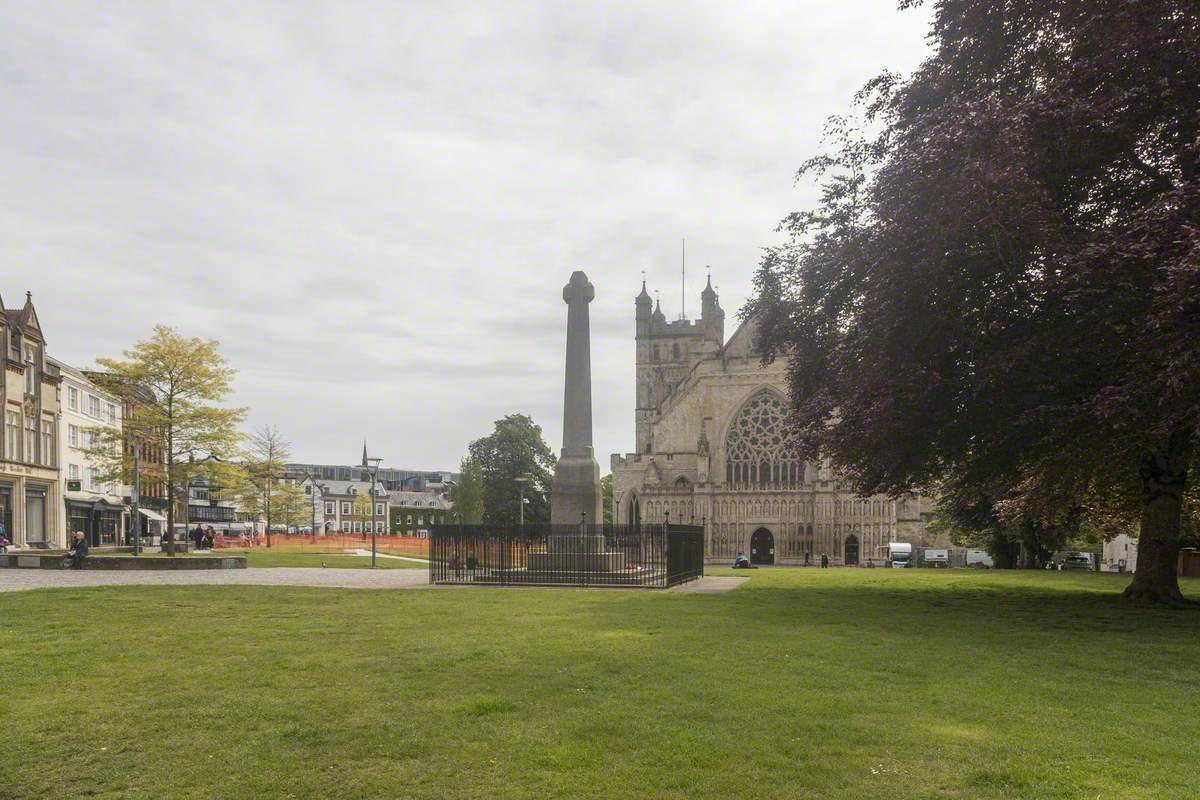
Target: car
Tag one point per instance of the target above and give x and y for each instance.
(1077, 561)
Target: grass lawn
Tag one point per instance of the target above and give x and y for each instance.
(270, 557)
(801, 684)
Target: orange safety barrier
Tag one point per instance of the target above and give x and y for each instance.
(333, 543)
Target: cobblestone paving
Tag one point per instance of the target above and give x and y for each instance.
(16, 580)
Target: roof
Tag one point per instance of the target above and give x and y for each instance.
(419, 500)
(343, 487)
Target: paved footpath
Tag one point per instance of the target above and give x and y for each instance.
(16, 580)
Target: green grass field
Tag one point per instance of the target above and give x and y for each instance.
(801, 684)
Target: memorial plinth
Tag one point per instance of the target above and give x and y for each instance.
(575, 499)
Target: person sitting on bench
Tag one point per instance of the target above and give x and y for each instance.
(78, 551)
(741, 562)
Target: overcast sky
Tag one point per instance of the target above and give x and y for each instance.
(374, 206)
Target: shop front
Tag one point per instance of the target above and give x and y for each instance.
(101, 518)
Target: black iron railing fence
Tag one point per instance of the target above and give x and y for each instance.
(566, 555)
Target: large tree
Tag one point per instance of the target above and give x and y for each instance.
(999, 289)
(175, 387)
(515, 449)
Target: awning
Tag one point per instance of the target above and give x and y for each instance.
(93, 499)
(153, 516)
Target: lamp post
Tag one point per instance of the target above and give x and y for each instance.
(521, 481)
(134, 500)
(313, 488)
(373, 468)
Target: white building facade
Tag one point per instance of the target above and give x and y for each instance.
(90, 504)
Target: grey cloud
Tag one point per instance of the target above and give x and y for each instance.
(374, 206)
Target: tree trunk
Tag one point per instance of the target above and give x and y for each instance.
(1164, 479)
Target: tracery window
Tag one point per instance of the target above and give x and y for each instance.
(761, 447)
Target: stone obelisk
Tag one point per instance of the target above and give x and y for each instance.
(575, 491)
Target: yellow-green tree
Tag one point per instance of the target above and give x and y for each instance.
(175, 387)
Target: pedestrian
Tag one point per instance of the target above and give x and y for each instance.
(472, 564)
(3, 542)
(209, 535)
(78, 552)
(824, 561)
(197, 536)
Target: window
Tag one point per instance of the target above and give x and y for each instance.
(48, 442)
(93, 405)
(330, 508)
(675, 352)
(379, 509)
(31, 434)
(345, 526)
(73, 435)
(379, 527)
(762, 447)
(73, 472)
(12, 435)
(345, 507)
(357, 526)
(73, 398)
(112, 413)
(30, 372)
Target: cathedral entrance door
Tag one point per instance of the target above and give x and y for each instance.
(762, 547)
(851, 550)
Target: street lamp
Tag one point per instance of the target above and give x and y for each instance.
(521, 481)
(373, 469)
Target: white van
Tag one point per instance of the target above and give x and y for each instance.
(979, 558)
(899, 555)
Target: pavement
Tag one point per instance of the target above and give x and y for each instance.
(19, 580)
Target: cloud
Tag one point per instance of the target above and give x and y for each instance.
(374, 206)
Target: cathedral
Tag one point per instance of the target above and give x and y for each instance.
(713, 449)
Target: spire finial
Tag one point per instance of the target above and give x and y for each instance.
(364, 461)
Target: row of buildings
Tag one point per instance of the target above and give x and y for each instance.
(49, 489)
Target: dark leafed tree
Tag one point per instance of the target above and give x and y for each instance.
(999, 290)
(515, 449)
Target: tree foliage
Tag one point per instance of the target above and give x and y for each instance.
(175, 386)
(998, 294)
(468, 494)
(263, 491)
(515, 449)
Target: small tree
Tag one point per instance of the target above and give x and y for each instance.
(266, 456)
(606, 497)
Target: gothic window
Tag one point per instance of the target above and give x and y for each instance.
(681, 482)
(675, 352)
(761, 447)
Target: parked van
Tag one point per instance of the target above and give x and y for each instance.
(979, 558)
(899, 555)
(936, 558)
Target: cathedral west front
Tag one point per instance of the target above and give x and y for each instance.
(713, 449)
